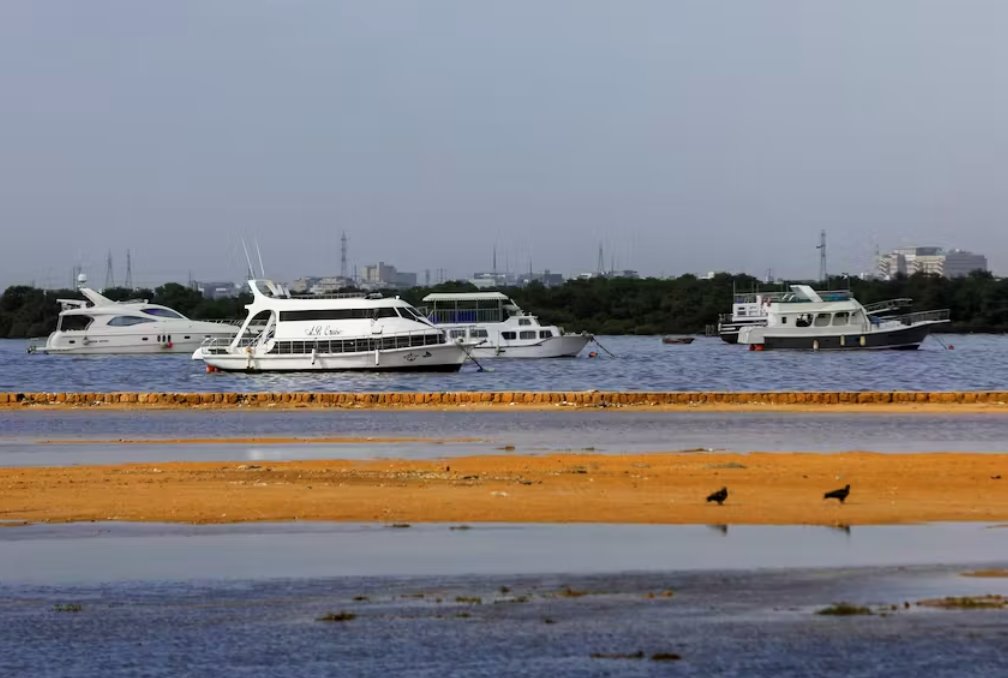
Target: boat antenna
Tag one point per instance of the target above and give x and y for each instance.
(251, 273)
(259, 253)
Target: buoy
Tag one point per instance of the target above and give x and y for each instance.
(593, 354)
(757, 347)
(210, 369)
(951, 346)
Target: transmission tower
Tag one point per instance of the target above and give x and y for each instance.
(128, 284)
(342, 255)
(822, 256)
(109, 277)
(600, 267)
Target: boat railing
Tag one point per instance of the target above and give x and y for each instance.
(331, 344)
(887, 305)
(462, 316)
(338, 295)
(942, 315)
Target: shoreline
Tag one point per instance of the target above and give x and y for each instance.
(473, 401)
(651, 488)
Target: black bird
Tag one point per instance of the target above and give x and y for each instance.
(840, 494)
(718, 496)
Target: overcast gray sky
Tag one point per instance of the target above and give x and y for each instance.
(686, 136)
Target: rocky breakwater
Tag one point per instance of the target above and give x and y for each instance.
(530, 399)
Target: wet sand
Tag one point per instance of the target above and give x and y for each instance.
(764, 488)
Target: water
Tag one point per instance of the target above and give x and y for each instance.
(52, 438)
(127, 600)
(978, 362)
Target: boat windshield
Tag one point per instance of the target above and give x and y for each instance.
(163, 313)
(75, 322)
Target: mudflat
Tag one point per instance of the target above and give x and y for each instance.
(763, 488)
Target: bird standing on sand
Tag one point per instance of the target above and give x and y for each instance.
(718, 496)
(840, 494)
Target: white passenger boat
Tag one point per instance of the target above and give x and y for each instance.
(806, 319)
(498, 328)
(100, 325)
(284, 332)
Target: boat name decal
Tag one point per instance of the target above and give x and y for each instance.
(322, 331)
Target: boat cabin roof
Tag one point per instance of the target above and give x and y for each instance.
(466, 296)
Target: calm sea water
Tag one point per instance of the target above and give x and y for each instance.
(977, 362)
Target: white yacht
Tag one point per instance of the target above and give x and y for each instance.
(99, 325)
(498, 328)
(284, 332)
(806, 319)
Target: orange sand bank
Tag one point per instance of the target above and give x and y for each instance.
(764, 488)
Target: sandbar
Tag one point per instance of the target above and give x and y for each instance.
(769, 488)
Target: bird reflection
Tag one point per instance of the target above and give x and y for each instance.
(840, 527)
(723, 529)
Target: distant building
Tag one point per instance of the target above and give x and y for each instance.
(385, 275)
(948, 263)
(219, 290)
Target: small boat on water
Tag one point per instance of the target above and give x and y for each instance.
(810, 320)
(677, 340)
(285, 333)
(498, 328)
(98, 325)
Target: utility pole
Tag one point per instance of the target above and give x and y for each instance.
(109, 277)
(822, 258)
(129, 272)
(343, 255)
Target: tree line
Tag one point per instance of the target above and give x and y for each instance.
(687, 304)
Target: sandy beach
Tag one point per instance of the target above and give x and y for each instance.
(764, 488)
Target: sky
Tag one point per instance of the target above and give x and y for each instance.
(684, 136)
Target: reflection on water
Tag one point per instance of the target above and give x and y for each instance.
(979, 362)
(95, 552)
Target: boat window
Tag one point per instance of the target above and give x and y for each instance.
(163, 313)
(74, 322)
(783, 320)
(524, 321)
(336, 314)
(840, 318)
(803, 320)
(528, 334)
(508, 335)
(127, 320)
(479, 333)
(822, 319)
(545, 334)
(455, 334)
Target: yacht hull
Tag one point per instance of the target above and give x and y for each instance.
(66, 344)
(565, 346)
(906, 338)
(433, 358)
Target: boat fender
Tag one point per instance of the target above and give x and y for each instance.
(862, 340)
(815, 344)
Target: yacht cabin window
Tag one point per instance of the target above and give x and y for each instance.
(840, 318)
(479, 332)
(822, 319)
(456, 334)
(545, 334)
(528, 334)
(524, 321)
(163, 313)
(128, 320)
(508, 335)
(74, 322)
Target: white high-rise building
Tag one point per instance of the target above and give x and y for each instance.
(909, 260)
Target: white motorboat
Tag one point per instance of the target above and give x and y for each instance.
(98, 325)
(498, 328)
(806, 319)
(284, 332)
